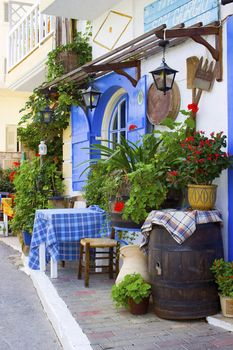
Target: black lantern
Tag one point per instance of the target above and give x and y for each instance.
(47, 115)
(164, 76)
(91, 96)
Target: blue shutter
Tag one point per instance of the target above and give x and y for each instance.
(80, 139)
(137, 110)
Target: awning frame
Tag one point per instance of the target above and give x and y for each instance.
(133, 52)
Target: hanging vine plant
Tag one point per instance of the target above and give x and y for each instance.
(31, 127)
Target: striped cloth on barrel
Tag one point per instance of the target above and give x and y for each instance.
(180, 224)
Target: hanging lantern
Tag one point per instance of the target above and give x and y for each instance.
(91, 97)
(47, 115)
(164, 75)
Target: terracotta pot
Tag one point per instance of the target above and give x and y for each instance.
(139, 309)
(134, 261)
(227, 306)
(202, 197)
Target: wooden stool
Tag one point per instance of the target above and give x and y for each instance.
(112, 255)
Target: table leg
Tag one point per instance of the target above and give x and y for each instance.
(53, 268)
(6, 224)
(42, 257)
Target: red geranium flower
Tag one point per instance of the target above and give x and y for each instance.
(12, 175)
(132, 127)
(16, 164)
(119, 206)
(193, 107)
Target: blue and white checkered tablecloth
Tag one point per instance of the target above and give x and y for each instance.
(57, 228)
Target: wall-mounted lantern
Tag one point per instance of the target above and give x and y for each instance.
(91, 96)
(164, 75)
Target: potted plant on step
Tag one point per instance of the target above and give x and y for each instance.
(133, 293)
(205, 159)
(131, 176)
(223, 272)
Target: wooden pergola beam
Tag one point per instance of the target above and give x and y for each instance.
(196, 34)
(117, 68)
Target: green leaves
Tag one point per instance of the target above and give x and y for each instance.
(223, 272)
(133, 286)
(33, 186)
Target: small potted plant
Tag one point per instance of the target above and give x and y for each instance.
(204, 159)
(223, 272)
(132, 293)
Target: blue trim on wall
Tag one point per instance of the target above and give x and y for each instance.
(230, 133)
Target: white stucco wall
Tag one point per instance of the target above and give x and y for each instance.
(10, 104)
(212, 115)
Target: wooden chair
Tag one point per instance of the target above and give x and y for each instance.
(112, 255)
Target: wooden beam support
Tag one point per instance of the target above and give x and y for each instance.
(187, 32)
(118, 68)
(195, 33)
(110, 66)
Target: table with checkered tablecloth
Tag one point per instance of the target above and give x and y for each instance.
(56, 233)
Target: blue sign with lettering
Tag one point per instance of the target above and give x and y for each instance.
(173, 12)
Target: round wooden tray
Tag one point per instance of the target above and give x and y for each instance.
(160, 106)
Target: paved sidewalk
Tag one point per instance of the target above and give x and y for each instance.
(105, 328)
(108, 329)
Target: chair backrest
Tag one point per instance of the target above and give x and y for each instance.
(80, 204)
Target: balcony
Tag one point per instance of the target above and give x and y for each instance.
(76, 9)
(29, 41)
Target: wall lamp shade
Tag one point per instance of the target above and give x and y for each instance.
(91, 97)
(47, 115)
(164, 77)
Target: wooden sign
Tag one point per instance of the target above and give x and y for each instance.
(173, 12)
(160, 106)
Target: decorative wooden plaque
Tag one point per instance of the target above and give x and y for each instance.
(160, 106)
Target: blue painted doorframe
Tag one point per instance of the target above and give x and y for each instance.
(87, 126)
(230, 132)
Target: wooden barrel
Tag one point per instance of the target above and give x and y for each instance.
(182, 284)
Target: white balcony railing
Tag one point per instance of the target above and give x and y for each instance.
(28, 34)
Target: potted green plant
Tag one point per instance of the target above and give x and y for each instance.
(132, 175)
(132, 293)
(223, 272)
(203, 160)
(65, 58)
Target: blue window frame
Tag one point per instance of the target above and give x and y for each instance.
(118, 120)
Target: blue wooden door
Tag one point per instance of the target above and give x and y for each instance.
(137, 111)
(80, 140)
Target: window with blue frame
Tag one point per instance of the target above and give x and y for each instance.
(117, 126)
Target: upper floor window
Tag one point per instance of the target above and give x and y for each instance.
(117, 127)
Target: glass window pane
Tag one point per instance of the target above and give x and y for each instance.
(114, 139)
(123, 134)
(123, 114)
(115, 121)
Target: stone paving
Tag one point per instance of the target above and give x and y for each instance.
(109, 329)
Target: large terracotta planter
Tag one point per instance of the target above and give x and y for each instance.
(226, 306)
(134, 261)
(202, 197)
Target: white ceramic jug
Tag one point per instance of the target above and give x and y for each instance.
(134, 261)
